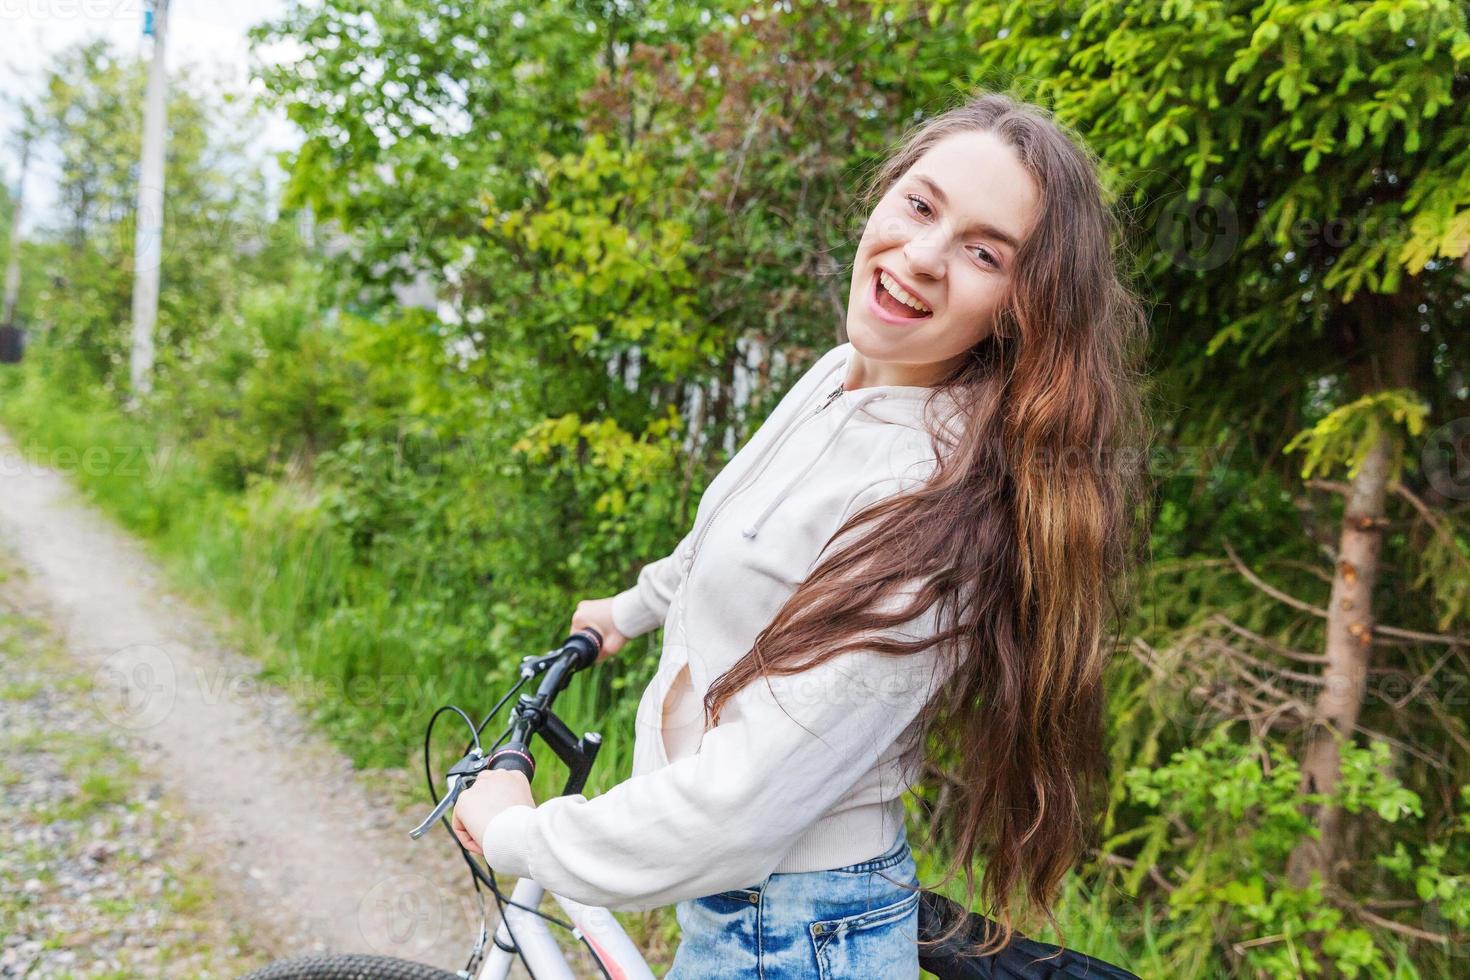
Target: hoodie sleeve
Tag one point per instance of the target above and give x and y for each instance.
(639, 609)
(724, 817)
(786, 750)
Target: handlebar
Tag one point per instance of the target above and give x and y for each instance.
(578, 652)
(533, 716)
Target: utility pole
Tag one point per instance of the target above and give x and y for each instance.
(12, 261)
(148, 245)
(11, 346)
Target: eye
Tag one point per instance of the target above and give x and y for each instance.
(914, 198)
(986, 255)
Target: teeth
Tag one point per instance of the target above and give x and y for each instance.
(901, 294)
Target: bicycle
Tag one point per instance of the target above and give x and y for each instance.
(522, 930)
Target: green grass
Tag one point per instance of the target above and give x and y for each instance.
(353, 643)
(19, 692)
(104, 778)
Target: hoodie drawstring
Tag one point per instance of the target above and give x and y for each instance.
(754, 528)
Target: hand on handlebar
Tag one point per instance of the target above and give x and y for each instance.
(494, 790)
(597, 613)
(480, 786)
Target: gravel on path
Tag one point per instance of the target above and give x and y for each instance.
(97, 878)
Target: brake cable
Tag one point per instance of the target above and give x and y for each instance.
(476, 875)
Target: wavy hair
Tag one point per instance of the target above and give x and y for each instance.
(1021, 538)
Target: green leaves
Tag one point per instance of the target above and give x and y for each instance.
(1347, 434)
(87, 122)
(616, 259)
(1366, 786)
(1231, 810)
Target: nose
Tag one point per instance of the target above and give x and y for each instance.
(924, 253)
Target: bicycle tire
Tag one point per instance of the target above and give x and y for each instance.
(348, 966)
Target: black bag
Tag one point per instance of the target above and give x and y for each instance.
(1021, 959)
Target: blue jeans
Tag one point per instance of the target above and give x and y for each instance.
(844, 924)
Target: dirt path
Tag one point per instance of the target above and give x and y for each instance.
(97, 875)
(307, 855)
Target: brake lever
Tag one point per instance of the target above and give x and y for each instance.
(461, 777)
(533, 665)
(445, 802)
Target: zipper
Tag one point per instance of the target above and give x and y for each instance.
(750, 480)
(831, 397)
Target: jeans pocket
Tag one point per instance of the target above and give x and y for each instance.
(879, 943)
(745, 896)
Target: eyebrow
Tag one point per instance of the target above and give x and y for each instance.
(981, 226)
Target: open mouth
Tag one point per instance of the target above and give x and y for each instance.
(889, 306)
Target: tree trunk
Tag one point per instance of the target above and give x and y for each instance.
(719, 413)
(1349, 643)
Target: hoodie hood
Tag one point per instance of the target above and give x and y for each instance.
(895, 404)
(902, 405)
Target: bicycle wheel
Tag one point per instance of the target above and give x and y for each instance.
(348, 966)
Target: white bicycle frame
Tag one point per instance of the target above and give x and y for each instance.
(544, 958)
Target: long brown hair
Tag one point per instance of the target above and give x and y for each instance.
(1021, 536)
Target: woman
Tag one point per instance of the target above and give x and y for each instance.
(921, 540)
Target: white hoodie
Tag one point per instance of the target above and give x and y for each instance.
(803, 773)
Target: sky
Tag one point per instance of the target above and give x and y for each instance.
(209, 33)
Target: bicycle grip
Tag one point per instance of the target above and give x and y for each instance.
(514, 757)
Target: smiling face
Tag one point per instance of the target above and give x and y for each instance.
(944, 238)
